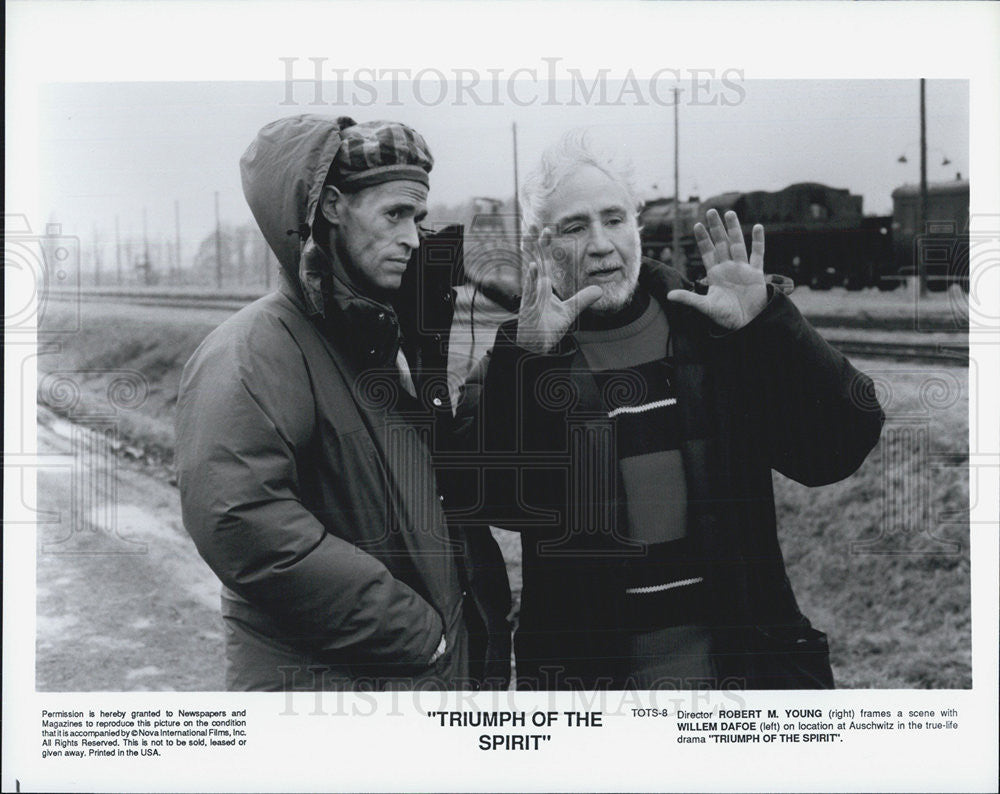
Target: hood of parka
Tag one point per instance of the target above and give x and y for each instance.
(283, 172)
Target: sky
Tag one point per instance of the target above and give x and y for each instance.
(111, 150)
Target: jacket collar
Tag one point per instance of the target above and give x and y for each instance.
(367, 328)
(659, 279)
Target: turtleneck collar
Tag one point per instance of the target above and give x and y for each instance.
(629, 313)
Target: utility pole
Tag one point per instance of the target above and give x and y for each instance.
(218, 245)
(676, 242)
(177, 241)
(129, 257)
(922, 225)
(238, 239)
(146, 265)
(118, 253)
(517, 198)
(97, 258)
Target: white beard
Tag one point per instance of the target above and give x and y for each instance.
(616, 294)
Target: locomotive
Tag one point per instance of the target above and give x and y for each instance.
(818, 236)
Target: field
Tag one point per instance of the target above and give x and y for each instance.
(879, 561)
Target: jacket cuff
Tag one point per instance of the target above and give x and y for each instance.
(507, 338)
(434, 635)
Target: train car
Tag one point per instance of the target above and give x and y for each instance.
(812, 231)
(657, 221)
(943, 243)
(818, 236)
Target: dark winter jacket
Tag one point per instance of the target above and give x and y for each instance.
(772, 395)
(306, 472)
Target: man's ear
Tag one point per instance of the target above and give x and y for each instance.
(331, 202)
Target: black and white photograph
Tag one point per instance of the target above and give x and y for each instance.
(189, 353)
(643, 386)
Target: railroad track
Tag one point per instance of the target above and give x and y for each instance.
(936, 352)
(177, 300)
(946, 345)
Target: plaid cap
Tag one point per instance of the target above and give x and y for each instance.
(379, 151)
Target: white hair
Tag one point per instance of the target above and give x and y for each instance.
(571, 152)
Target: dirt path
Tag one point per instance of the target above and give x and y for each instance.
(124, 602)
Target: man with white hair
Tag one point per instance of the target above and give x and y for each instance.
(632, 422)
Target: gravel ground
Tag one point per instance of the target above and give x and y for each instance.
(124, 602)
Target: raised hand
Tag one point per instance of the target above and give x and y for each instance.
(736, 289)
(543, 318)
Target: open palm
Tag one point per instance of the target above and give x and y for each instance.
(543, 318)
(736, 288)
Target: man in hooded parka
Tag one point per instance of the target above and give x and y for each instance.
(306, 427)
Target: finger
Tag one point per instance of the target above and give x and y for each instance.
(544, 293)
(720, 239)
(584, 298)
(705, 247)
(737, 246)
(757, 248)
(529, 279)
(688, 298)
(544, 249)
